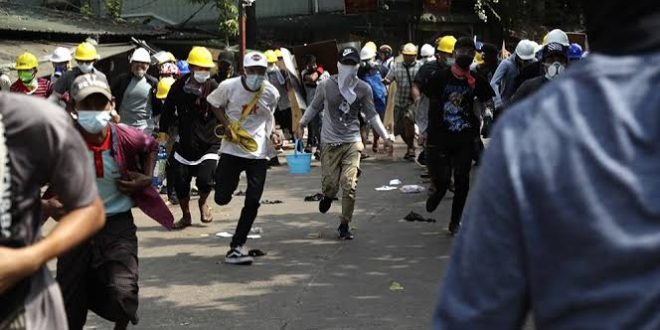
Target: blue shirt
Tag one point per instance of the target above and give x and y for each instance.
(504, 81)
(114, 201)
(564, 220)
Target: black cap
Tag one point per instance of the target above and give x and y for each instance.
(489, 49)
(226, 56)
(349, 53)
(465, 42)
(554, 48)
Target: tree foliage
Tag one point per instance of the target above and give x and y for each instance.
(227, 15)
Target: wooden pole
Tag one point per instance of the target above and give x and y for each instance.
(242, 32)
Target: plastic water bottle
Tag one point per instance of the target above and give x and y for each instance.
(159, 170)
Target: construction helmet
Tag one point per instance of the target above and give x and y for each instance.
(526, 50)
(270, 56)
(60, 55)
(427, 50)
(385, 48)
(164, 57)
(164, 86)
(201, 57)
(86, 52)
(278, 53)
(446, 44)
(409, 49)
(479, 58)
(26, 61)
(141, 55)
(575, 52)
(371, 45)
(556, 36)
(367, 53)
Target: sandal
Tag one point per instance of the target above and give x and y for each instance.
(210, 218)
(181, 224)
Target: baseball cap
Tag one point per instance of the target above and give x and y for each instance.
(88, 84)
(226, 56)
(555, 48)
(349, 53)
(255, 59)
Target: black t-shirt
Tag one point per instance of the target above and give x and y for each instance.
(528, 72)
(451, 108)
(426, 72)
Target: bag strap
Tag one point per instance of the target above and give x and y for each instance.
(250, 106)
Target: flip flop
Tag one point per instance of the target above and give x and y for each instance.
(209, 219)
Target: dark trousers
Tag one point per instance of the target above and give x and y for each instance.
(101, 274)
(283, 118)
(183, 175)
(314, 133)
(227, 176)
(440, 160)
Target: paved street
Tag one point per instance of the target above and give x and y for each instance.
(309, 279)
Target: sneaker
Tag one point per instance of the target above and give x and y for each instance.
(432, 202)
(235, 256)
(344, 233)
(324, 204)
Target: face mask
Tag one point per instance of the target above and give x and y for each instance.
(86, 67)
(93, 121)
(59, 71)
(464, 62)
(347, 71)
(26, 77)
(450, 61)
(254, 81)
(347, 79)
(139, 73)
(201, 76)
(553, 70)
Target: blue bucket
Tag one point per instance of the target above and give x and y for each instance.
(299, 162)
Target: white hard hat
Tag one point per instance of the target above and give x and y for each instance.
(525, 50)
(60, 55)
(427, 50)
(367, 53)
(557, 36)
(255, 59)
(141, 55)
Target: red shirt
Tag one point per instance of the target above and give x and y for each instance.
(44, 88)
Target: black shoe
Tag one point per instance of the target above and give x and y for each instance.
(432, 202)
(421, 159)
(344, 233)
(453, 228)
(324, 204)
(235, 256)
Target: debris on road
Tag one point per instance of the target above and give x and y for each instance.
(385, 188)
(395, 182)
(411, 189)
(412, 216)
(396, 286)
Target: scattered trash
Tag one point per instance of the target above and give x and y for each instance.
(225, 234)
(204, 235)
(269, 202)
(385, 188)
(411, 189)
(316, 197)
(412, 216)
(314, 235)
(396, 286)
(239, 193)
(395, 182)
(256, 230)
(256, 253)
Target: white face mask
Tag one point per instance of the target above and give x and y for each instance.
(450, 61)
(553, 70)
(93, 121)
(201, 76)
(86, 67)
(140, 73)
(347, 80)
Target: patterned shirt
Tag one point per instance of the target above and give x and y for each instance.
(398, 73)
(44, 88)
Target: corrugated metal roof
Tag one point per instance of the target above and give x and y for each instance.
(42, 50)
(17, 17)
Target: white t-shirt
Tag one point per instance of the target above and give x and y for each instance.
(232, 96)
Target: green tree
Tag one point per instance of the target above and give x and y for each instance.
(227, 16)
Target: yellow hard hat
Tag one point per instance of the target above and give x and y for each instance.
(86, 52)
(278, 53)
(201, 57)
(371, 45)
(409, 49)
(270, 56)
(164, 86)
(26, 61)
(446, 44)
(479, 59)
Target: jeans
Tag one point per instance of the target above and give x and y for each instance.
(227, 176)
(440, 159)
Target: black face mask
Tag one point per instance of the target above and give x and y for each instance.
(464, 62)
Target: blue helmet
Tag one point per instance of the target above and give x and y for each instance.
(575, 52)
(183, 67)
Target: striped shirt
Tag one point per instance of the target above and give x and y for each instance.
(44, 88)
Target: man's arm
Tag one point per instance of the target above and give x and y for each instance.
(318, 103)
(485, 286)
(496, 82)
(72, 229)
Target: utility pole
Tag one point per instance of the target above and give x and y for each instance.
(242, 18)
